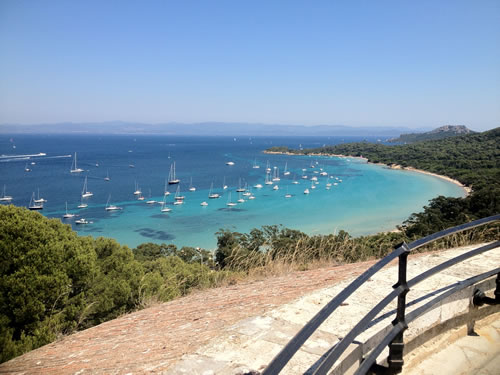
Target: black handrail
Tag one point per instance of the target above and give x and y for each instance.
(339, 348)
(400, 291)
(370, 360)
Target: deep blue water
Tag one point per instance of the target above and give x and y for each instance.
(369, 199)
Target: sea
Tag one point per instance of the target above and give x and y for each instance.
(362, 199)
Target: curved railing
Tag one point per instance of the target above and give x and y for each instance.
(394, 337)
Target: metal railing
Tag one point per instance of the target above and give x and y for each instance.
(394, 337)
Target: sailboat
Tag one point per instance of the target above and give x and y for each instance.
(203, 204)
(240, 189)
(268, 168)
(82, 204)
(255, 165)
(328, 183)
(211, 194)
(74, 167)
(107, 176)
(5, 198)
(39, 200)
(240, 199)
(165, 189)
(82, 221)
(171, 177)
(33, 205)
(276, 174)
(85, 192)
(191, 187)
(111, 207)
(137, 189)
(287, 195)
(268, 179)
(224, 186)
(164, 207)
(150, 201)
(229, 203)
(178, 198)
(285, 172)
(26, 169)
(295, 182)
(68, 215)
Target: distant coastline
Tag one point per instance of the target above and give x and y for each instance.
(467, 190)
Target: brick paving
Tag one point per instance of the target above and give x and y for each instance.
(154, 339)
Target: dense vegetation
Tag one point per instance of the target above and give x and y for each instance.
(472, 159)
(439, 133)
(53, 282)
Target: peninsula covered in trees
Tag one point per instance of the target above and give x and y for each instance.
(472, 159)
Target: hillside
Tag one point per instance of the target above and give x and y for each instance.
(439, 133)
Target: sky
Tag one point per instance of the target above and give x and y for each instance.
(356, 63)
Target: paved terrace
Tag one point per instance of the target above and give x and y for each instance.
(239, 328)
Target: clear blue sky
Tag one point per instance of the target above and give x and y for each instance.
(358, 63)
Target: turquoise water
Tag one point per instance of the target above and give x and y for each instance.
(370, 198)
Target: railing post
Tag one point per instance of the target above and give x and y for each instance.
(395, 359)
(479, 298)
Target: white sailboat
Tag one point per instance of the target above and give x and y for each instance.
(295, 182)
(224, 186)
(211, 194)
(39, 200)
(276, 187)
(33, 205)
(164, 207)
(111, 207)
(240, 188)
(258, 186)
(5, 198)
(255, 165)
(26, 169)
(82, 204)
(68, 215)
(229, 203)
(172, 179)
(268, 167)
(165, 189)
(107, 176)
(74, 166)
(137, 189)
(287, 195)
(306, 191)
(85, 192)
(268, 179)
(285, 172)
(191, 187)
(150, 201)
(82, 221)
(179, 199)
(204, 204)
(276, 174)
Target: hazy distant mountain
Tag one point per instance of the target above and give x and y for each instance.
(204, 129)
(439, 133)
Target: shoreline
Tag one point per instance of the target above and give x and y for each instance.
(467, 190)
